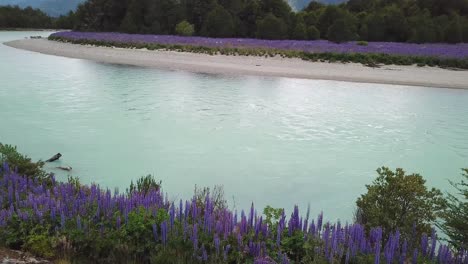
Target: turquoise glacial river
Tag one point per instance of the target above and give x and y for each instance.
(273, 141)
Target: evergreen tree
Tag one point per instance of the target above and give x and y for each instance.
(218, 23)
(271, 27)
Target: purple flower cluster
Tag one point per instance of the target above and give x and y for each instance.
(214, 233)
(458, 51)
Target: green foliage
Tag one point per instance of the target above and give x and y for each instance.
(184, 28)
(362, 43)
(40, 243)
(272, 215)
(454, 31)
(342, 30)
(396, 200)
(22, 163)
(300, 31)
(271, 27)
(15, 17)
(313, 33)
(216, 195)
(144, 185)
(418, 21)
(218, 24)
(455, 217)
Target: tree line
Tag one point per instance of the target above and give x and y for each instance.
(418, 21)
(16, 17)
(369, 20)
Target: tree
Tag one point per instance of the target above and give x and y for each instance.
(455, 218)
(218, 24)
(342, 30)
(313, 33)
(300, 30)
(329, 16)
(184, 28)
(399, 201)
(453, 32)
(23, 164)
(271, 27)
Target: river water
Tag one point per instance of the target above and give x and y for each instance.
(273, 141)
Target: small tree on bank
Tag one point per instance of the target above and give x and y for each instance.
(455, 218)
(399, 201)
(184, 28)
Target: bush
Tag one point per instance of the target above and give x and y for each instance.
(22, 163)
(396, 200)
(184, 28)
(362, 43)
(143, 185)
(455, 217)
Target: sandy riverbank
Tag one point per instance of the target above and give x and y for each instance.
(249, 65)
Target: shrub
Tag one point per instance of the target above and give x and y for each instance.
(144, 185)
(455, 217)
(362, 43)
(22, 163)
(396, 200)
(184, 28)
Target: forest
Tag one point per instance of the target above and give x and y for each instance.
(14, 17)
(417, 21)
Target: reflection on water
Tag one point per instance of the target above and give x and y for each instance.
(275, 141)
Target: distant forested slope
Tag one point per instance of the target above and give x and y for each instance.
(61, 7)
(51, 7)
(367, 20)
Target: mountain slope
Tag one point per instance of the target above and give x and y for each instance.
(51, 7)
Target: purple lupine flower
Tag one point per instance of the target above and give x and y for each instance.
(251, 216)
(433, 244)
(278, 235)
(171, 216)
(216, 243)
(195, 237)
(404, 248)
(415, 256)
(155, 232)
(424, 245)
(319, 222)
(164, 232)
(318, 46)
(226, 252)
(204, 254)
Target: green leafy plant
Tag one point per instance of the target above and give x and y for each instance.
(20, 162)
(396, 200)
(455, 218)
(184, 28)
(144, 184)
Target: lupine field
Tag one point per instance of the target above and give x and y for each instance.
(101, 226)
(370, 54)
(319, 46)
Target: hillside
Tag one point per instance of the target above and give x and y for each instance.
(51, 7)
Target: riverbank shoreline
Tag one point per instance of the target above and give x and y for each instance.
(252, 65)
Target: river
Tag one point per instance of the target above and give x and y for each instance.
(273, 141)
